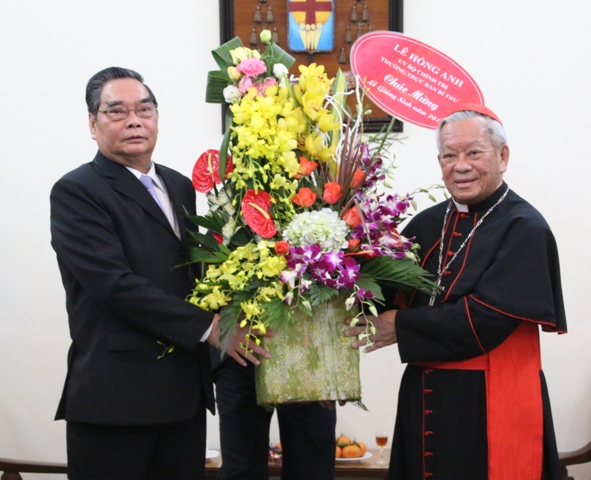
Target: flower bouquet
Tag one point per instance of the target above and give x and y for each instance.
(301, 231)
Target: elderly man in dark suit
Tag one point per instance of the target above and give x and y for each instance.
(139, 378)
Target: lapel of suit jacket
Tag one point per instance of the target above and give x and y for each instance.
(173, 190)
(124, 182)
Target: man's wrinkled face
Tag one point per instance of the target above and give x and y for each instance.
(130, 141)
(471, 166)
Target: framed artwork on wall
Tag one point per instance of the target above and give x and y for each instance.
(314, 31)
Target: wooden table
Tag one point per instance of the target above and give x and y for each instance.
(363, 469)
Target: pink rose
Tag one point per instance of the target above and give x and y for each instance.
(252, 67)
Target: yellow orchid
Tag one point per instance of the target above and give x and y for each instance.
(313, 105)
(273, 266)
(251, 308)
(215, 300)
(316, 148)
(311, 71)
(326, 123)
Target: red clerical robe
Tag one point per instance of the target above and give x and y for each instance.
(473, 402)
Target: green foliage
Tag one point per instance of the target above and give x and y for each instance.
(321, 293)
(275, 54)
(216, 82)
(369, 284)
(203, 256)
(225, 144)
(276, 313)
(212, 222)
(403, 274)
(241, 237)
(229, 316)
(206, 241)
(222, 55)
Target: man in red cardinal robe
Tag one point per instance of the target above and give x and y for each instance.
(473, 402)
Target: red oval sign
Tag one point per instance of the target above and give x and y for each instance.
(411, 80)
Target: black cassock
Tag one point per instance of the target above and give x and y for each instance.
(507, 274)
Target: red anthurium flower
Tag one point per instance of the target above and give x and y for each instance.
(218, 238)
(304, 198)
(352, 217)
(357, 177)
(332, 193)
(255, 208)
(206, 171)
(306, 167)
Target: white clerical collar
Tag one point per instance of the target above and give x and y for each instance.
(464, 208)
(461, 207)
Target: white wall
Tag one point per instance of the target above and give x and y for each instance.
(530, 58)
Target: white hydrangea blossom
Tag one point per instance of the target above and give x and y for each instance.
(323, 227)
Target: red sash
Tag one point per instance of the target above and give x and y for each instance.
(514, 404)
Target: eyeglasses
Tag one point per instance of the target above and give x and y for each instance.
(119, 112)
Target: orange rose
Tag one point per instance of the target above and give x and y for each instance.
(306, 167)
(353, 243)
(304, 198)
(357, 177)
(332, 193)
(281, 247)
(351, 217)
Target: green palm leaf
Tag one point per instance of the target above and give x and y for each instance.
(401, 273)
(222, 55)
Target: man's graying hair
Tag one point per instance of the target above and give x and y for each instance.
(494, 129)
(94, 87)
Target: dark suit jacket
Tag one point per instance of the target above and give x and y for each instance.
(117, 256)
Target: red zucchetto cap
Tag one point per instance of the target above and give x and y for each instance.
(475, 107)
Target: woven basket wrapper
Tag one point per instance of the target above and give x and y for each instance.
(311, 360)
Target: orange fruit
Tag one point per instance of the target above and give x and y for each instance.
(363, 448)
(338, 453)
(343, 441)
(352, 451)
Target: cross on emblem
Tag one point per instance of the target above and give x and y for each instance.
(310, 7)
